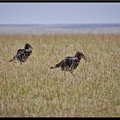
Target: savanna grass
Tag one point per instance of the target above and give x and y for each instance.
(33, 90)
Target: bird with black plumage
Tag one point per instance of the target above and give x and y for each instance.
(23, 54)
(70, 63)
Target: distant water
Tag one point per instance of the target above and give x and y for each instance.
(58, 28)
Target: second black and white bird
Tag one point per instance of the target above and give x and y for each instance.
(22, 54)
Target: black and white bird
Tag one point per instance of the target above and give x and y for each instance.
(22, 54)
(70, 63)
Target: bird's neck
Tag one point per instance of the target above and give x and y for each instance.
(26, 47)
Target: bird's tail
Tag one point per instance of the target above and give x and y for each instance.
(14, 58)
(57, 65)
(11, 60)
(52, 67)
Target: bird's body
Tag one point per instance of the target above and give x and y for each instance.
(70, 63)
(22, 54)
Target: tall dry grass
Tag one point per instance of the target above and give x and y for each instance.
(33, 90)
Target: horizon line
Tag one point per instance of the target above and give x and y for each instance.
(51, 23)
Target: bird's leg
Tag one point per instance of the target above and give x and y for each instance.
(72, 73)
(20, 63)
(64, 74)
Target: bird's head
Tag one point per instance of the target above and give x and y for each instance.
(80, 55)
(27, 46)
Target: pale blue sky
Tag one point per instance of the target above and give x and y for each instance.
(58, 13)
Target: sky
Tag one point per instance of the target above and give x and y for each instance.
(59, 13)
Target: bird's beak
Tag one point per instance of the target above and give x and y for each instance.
(84, 57)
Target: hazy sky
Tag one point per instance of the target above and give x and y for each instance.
(52, 13)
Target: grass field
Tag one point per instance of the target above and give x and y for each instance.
(33, 90)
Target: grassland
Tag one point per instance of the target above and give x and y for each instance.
(33, 90)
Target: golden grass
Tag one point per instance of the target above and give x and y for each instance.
(33, 90)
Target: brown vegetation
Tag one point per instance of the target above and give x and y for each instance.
(32, 89)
